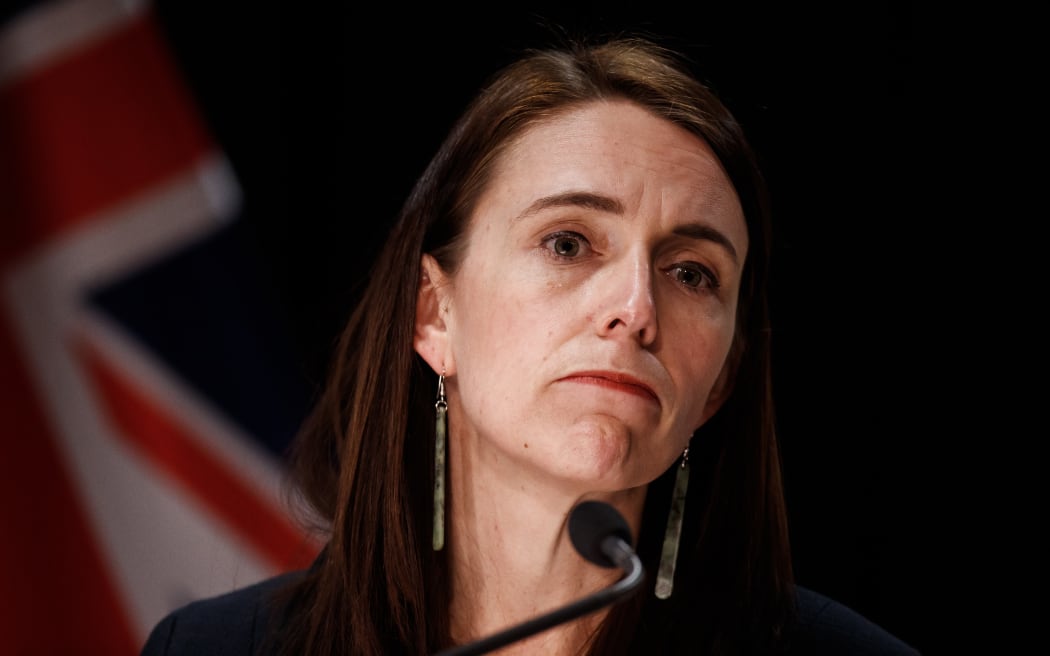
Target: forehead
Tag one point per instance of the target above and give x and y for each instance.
(621, 150)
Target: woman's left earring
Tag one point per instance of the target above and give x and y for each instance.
(440, 430)
(673, 533)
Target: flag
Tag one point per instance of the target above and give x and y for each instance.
(143, 387)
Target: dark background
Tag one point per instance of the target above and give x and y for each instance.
(329, 114)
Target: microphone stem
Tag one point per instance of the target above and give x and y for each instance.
(607, 596)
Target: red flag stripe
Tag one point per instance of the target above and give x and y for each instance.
(91, 129)
(57, 596)
(171, 447)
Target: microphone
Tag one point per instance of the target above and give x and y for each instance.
(601, 535)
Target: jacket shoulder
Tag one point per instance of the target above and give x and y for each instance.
(826, 627)
(230, 624)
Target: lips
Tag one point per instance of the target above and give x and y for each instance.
(615, 381)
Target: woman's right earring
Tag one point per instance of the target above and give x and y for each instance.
(673, 534)
(440, 430)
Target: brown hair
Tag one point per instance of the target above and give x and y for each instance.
(363, 459)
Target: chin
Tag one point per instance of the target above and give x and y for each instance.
(599, 457)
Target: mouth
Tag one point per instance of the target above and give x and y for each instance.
(614, 381)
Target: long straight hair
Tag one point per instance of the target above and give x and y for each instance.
(363, 459)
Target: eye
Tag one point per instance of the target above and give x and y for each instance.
(693, 275)
(565, 244)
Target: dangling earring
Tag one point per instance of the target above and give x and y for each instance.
(673, 534)
(440, 427)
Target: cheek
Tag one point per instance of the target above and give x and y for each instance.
(501, 344)
(513, 305)
(499, 329)
(698, 366)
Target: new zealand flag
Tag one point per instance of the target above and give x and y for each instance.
(145, 390)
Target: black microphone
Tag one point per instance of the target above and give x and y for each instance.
(601, 535)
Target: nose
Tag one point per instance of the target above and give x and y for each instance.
(628, 308)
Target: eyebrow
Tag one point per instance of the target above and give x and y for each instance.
(584, 199)
(609, 205)
(702, 231)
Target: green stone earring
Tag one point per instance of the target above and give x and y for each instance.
(673, 534)
(440, 428)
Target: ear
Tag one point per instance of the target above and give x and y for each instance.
(723, 386)
(431, 338)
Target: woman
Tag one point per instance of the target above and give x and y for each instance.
(571, 306)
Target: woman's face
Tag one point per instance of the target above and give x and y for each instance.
(585, 332)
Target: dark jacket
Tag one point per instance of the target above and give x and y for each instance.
(235, 624)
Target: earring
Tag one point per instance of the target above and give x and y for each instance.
(440, 428)
(673, 534)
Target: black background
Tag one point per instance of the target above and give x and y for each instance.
(328, 115)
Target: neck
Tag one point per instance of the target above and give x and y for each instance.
(512, 559)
